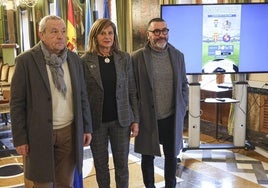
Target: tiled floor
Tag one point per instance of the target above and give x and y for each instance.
(209, 168)
(224, 168)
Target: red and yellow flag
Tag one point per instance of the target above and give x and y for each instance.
(71, 31)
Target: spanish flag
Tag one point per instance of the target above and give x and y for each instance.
(71, 31)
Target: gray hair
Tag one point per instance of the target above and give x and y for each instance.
(42, 23)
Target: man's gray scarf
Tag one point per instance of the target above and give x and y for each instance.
(55, 65)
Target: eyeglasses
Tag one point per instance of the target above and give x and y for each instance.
(157, 32)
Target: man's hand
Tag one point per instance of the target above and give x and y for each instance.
(87, 139)
(134, 127)
(23, 149)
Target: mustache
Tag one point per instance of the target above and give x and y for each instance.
(162, 38)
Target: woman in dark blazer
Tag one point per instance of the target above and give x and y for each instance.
(113, 100)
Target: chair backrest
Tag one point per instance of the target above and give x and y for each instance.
(4, 72)
(10, 73)
(1, 64)
(6, 94)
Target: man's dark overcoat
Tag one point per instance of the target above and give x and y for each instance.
(31, 112)
(147, 141)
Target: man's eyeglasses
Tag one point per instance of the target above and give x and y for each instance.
(157, 32)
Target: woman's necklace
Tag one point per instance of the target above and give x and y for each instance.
(106, 57)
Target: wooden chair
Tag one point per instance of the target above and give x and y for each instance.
(4, 73)
(5, 85)
(11, 70)
(1, 64)
(6, 94)
(4, 106)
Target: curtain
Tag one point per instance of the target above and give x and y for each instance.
(162, 2)
(124, 24)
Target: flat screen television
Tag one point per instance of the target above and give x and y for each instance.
(220, 38)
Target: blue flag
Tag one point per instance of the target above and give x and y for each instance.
(78, 180)
(88, 22)
(106, 9)
(57, 8)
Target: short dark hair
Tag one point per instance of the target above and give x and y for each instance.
(155, 20)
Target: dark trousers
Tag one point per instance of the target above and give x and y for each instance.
(166, 138)
(119, 138)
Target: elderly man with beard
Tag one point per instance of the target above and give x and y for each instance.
(162, 87)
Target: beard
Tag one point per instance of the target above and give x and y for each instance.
(160, 43)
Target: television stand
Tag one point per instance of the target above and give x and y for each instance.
(218, 102)
(239, 129)
(204, 146)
